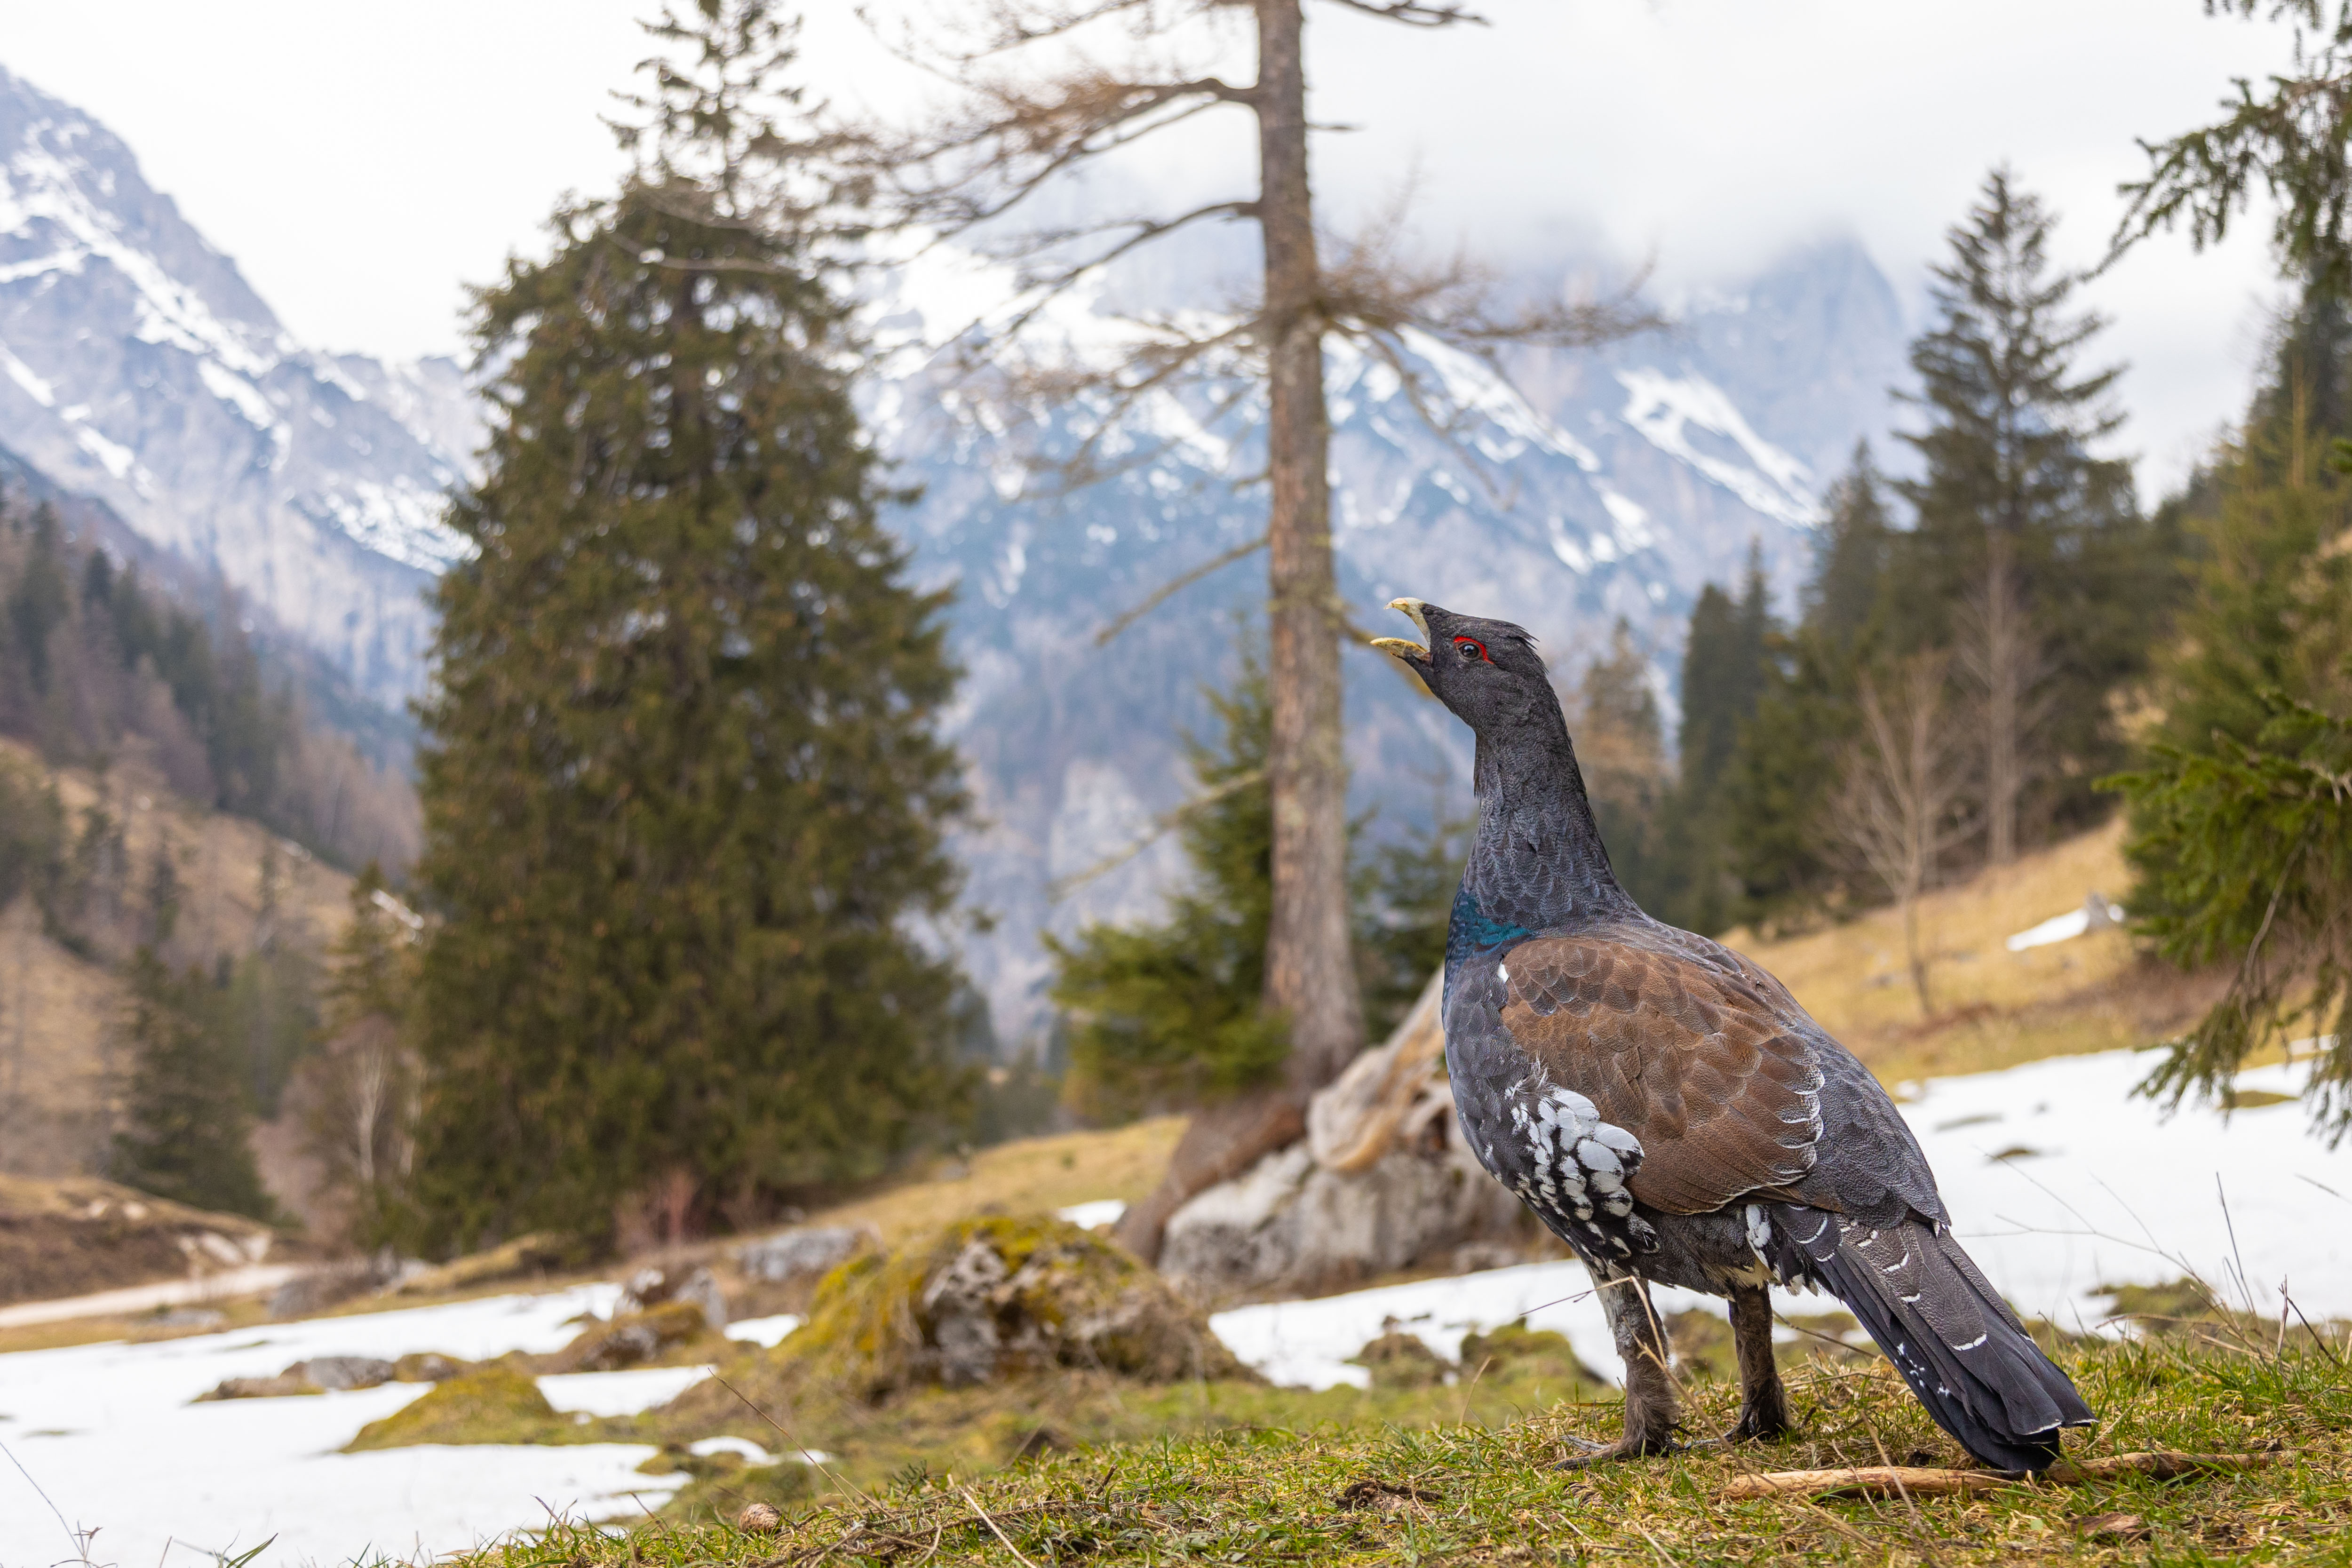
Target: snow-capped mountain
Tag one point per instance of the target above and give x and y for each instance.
(137, 366)
(1578, 488)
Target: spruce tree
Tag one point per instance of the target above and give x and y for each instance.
(1724, 676)
(1849, 556)
(1404, 904)
(2027, 559)
(1785, 769)
(2240, 822)
(1169, 1015)
(1621, 748)
(40, 601)
(187, 1119)
(2269, 596)
(683, 789)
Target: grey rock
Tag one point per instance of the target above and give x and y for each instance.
(336, 1373)
(1286, 1226)
(654, 1285)
(319, 1375)
(961, 1304)
(792, 1256)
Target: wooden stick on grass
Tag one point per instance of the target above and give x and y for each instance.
(1884, 1480)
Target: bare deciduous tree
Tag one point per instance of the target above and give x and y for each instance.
(1043, 97)
(1898, 806)
(356, 1098)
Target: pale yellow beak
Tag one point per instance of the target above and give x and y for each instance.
(1412, 652)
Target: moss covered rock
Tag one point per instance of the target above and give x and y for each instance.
(633, 1339)
(491, 1404)
(1516, 1348)
(1400, 1360)
(986, 1299)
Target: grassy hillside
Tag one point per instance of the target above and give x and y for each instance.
(59, 1009)
(1994, 1008)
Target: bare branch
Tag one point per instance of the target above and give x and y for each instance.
(1002, 27)
(1415, 13)
(1062, 887)
(1170, 589)
(1373, 286)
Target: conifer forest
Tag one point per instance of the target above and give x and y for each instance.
(1180, 780)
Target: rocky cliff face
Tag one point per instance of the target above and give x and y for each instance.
(136, 366)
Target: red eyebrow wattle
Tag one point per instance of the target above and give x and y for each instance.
(1473, 642)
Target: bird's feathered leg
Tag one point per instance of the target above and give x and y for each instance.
(1650, 1402)
(1763, 1402)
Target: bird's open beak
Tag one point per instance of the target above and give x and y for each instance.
(1412, 652)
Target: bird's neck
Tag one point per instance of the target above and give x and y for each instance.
(1538, 861)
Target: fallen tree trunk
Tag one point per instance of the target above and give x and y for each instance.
(1892, 1480)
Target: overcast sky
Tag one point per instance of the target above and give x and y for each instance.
(363, 162)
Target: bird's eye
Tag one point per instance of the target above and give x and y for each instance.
(1471, 650)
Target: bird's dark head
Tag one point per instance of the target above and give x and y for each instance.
(1487, 671)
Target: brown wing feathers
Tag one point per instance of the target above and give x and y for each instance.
(1690, 1060)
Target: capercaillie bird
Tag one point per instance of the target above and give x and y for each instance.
(1666, 1109)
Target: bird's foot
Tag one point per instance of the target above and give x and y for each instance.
(1757, 1425)
(1626, 1448)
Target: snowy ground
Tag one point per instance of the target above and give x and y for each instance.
(109, 1433)
(2058, 1183)
(2106, 1190)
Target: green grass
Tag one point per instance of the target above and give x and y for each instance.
(1241, 1473)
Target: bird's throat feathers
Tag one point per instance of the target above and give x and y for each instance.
(1538, 863)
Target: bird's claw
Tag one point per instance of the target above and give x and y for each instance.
(1606, 1453)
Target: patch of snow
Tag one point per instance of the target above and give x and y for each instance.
(743, 1449)
(117, 459)
(38, 390)
(238, 393)
(401, 520)
(219, 1480)
(2059, 928)
(619, 1393)
(1099, 1211)
(1660, 405)
(1632, 518)
(769, 1332)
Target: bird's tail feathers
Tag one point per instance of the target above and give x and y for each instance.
(1950, 1333)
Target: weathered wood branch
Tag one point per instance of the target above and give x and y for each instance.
(1900, 1481)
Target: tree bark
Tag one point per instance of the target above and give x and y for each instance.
(2004, 660)
(1310, 977)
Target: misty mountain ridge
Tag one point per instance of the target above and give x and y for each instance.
(138, 367)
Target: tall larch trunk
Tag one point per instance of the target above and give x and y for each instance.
(1309, 973)
(2004, 677)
